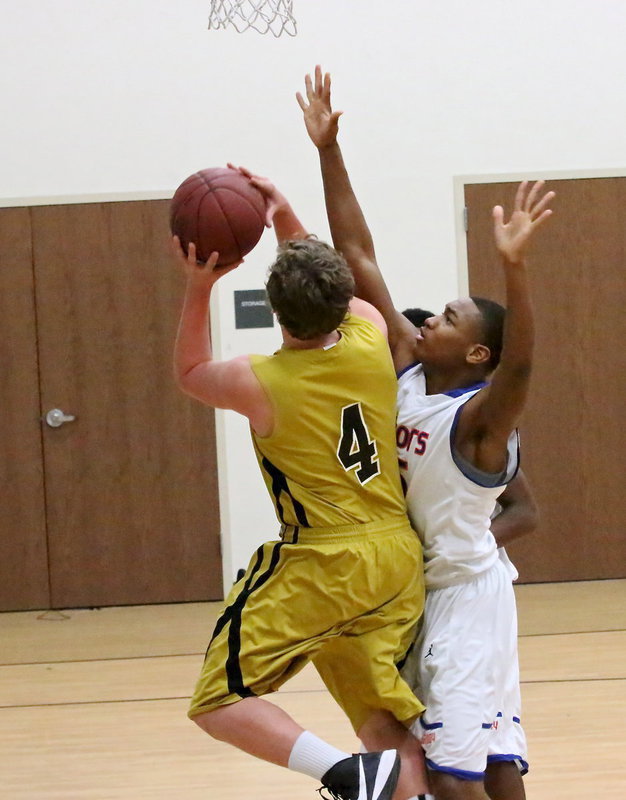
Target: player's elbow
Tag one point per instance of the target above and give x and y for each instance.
(359, 256)
(182, 378)
(532, 517)
(517, 373)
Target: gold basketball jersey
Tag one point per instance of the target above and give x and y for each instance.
(331, 459)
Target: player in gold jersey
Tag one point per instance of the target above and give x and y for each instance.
(343, 587)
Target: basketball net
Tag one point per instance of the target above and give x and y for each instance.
(262, 15)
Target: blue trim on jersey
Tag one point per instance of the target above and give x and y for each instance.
(406, 369)
(459, 392)
(452, 392)
(463, 774)
(430, 726)
(523, 765)
(485, 479)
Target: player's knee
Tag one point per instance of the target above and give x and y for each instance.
(449, 787)
(379, 727)
(211, 722)
(503, 781)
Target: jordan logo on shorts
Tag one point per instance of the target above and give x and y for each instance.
(430, 651)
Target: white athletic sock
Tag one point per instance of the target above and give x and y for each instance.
(313, 757)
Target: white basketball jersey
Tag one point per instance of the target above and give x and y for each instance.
(450, 503)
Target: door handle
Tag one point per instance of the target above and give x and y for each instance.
(55, 418)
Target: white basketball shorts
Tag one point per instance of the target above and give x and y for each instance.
(464, 668)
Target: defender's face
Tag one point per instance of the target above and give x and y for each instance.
(446, 338)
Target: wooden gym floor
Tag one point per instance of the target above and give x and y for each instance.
(93, 703)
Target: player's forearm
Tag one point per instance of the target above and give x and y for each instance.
(348, 227)
(519, 328)
(286, 224)
(193, 340)
(511, 380)
(511, 528)
(349, 230)
(514, 521)
(519, 513)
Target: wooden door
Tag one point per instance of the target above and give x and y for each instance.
(130, 485)
(23, 543)
(573, 442)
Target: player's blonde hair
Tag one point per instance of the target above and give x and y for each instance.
(309, 287)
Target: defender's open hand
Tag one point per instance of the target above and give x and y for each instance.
(529, 212)
(322, 123)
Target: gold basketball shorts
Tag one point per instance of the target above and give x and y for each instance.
(347, 598)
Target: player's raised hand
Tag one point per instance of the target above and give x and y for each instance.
(322, 123)
(199, 272)
(529, 212)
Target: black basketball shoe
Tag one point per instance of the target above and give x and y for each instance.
(364, 776)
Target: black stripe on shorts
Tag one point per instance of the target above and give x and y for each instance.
(233, 667)
(233, 615)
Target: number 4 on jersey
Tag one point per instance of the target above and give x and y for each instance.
(356, 448)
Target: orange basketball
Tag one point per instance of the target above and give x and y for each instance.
(218, 209)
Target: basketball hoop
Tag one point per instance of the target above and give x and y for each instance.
(261, 15)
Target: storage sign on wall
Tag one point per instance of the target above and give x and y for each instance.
(252, 309)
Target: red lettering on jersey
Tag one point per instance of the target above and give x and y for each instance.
(402, 437)
(411, 438)
(422, 438)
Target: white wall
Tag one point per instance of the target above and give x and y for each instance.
(130, 96)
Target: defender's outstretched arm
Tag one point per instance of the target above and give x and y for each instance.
(349, 230)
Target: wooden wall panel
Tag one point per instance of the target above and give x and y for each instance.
(131, 484)
(573, 429)
(23, 554)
